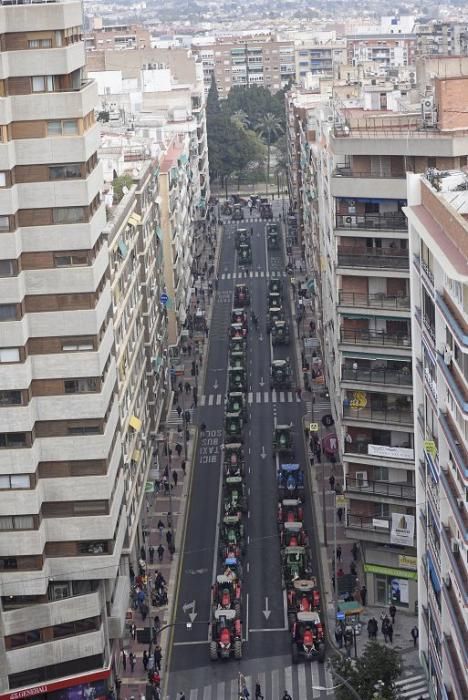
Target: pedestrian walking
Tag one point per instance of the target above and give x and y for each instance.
(415, 635)
(348, 640)
(160, 553)
(151, 554)
(166, 472)
(124, 659)
(133, 631)
(392, 611)
(258, 691)
(166, 486)
(160, 527)
(183, 466)
(142, 553)
(339, 513)
(145, 660)
(384, 628)
(339, 636)
(168, 538)
(175, 477)
(169, 521)
(352, 569)
(390, 632)
(364, 595)
(338, 553)
(188, 388)
(331, 481)
(179, 410)
(299, 392)
(178, 449)
(355, 551)
(180, 696)
(318, 453)
(132, 659)
(157, 655)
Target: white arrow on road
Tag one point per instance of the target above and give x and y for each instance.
(260, 337)
(215, 385)
(267, 611)
(263, 455)
(262, 382)
(188, 606)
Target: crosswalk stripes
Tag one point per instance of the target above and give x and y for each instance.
(257, 397)
(412, 688)
(250, 274)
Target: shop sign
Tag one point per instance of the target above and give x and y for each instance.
(402, 531)
(388, 571)
(383, 524)
(430, 447)
(407, 562)
(390, 452)
(55, 685)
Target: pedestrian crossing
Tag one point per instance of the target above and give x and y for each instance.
(303, 682)
(318, 406)
(257, 397)
(250, 274)
(412, 688)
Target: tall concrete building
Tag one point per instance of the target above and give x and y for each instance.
(438, 239)
(63, 520)
(442, 38)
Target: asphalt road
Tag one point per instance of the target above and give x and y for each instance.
(266, 648)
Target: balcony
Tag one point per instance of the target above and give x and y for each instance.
(456, 445)
(456, 561)
(381, 488)
(457, 675)
(369, 448)
(347, 182)
(375, 301)
(377, 376)
(457, 501)
(457, 618)
(369, 414)
(455, 382)
(429, 326)
(375, 338)
(378, 222)
(373, 258)
(454, 318)
(373, 528)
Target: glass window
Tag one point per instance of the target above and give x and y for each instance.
(43, 83)
(62, 172)
(84, 430)
(70, 127)
(2, 179)
(9, 355)
(7, 312)
(76, 259)
(15, 481)
(12, 440)
(54, 128)
(7, 268)
(17, 522)
(77, 347)
(4, 223)
(80, 386)
(24, 639)
(69, 215)
(10, 397)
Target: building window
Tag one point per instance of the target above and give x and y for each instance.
(43, 83)
(65, 127)
(13, 441)
(81, 386)
(7, 312)
(15, 481)
(4, 223)
(23, 639)
(10, 398)
(8, 355)
(72, 260)
(17, 522)
(7, 268)
(77, 346)
(40, 44)
(84, 430)
(64, 172)
(69, 215)
(2, 179)
(93, 548)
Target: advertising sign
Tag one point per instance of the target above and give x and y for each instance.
(390, 452)
(402, 531)
(399, 589)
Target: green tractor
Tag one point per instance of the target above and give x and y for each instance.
(274, 300)
(280, 333)
(235, 497)
(282, 440)
(242, 236)
(237, 360)
(245, 254)
(237, 379)
(233, 426)
(237, 212)
(280, 374)
(238, 344)
(276, 286)
(275, 313)
(233, 459)
(232, 537)
(295, 565)
(236, 403)
(272, 234)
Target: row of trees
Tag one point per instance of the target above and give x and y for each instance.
(242, 130)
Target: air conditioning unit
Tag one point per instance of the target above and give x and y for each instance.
(444, 468)
(351, 220)
(454, 546)
(428, 111)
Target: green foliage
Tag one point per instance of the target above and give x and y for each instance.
(255, 102)
(119, 183)
(376, 663)
(212, 101)
(232, 148)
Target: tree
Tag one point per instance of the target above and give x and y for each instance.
(268, 127)
(255, 101)
(119, 184)
(372, 675)
(212, 101)
(240, 118)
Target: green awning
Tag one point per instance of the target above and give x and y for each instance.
(388, 571)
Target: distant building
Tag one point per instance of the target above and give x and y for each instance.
(318, 59)
(442, 38)
(384, 50)
(118, 37)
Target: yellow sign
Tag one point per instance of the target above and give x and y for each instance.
(359, 399)
(407, 562)
(430, 447)
(135, 423)
(340, 501)
(313, 427)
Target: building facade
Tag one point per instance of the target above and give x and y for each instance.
(442, 39)
(64, 581)
(384, 50)
(438, 242)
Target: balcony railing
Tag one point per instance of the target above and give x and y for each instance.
(456, 445)
(457, 674)
(343, 171)
(375, 301)
(379, 415)
(457, 502)
(375, 338)
(375, 523)
(361, 447)
(377, 376)
(387, 222)
(381, 488)
(349, 256)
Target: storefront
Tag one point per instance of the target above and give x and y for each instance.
(86, 686)
(393, 585)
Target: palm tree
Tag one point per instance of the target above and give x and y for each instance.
(240, 118)
(269, 125)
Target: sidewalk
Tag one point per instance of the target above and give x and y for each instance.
(167, 503)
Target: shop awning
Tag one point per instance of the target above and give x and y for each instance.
(123, 249)
(433, 574)
(389, 571)
(135, 423)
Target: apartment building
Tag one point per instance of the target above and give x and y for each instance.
(117, 37)
(442, 38)
(262, 60)
(353, 164)
(318, 59)
(64, 581)
(437, 213)
(384, 50)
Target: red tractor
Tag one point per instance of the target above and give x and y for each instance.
(304, 596)
(307, 638)
(290, 511)
(226, 594)
(226, 635)
(233, 459)
(293, 535)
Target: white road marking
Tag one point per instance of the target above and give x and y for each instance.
(210, 400)
(266, 396)
(219, 399)
(258, 397)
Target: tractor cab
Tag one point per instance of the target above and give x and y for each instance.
(237, 212)
(226, 635)
(304, 596)
(272, 234)
(233, 426)
(237, 380)
(232, 541)
(266, 212)
(274, 300)
(280, 333)
(235, 499)
(226, 593)
(242, 236)
(237, 330)
(239, 316)
(307, 638)
(275, 285)
(236, 404)
(241, 295)
(236, 359)
(233, 459)
(245, 254)
(295, 564)
(275, 313)
(280, 375)
(282, 440)
(233, 568)
(237, 344)
(293, 535)
(290, 480)
(290, 511)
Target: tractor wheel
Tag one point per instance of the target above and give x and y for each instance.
(238, 649)
(294, 653)
(321, 655)
(237, 608)
(213, 651)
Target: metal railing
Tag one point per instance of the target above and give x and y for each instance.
(376, 301)
(373, 257)
(343, 171)
(379, 415)
(377, 376)
(381, 488)
(378, 338)
(387, 221)
(361, 447)
(370, 522)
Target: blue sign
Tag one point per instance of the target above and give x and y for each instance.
(340, 615)
(164, 298)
